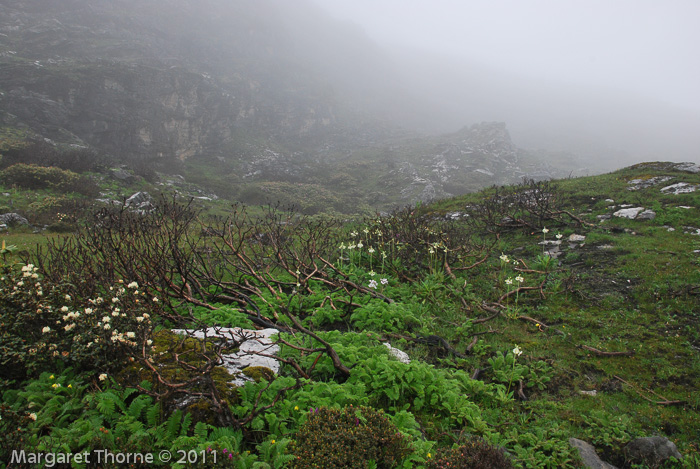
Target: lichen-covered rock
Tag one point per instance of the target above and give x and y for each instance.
(400, 355)
(256, 350)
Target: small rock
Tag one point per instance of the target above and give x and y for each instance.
(610, 201)
(646, 215)
(630, 213)
(138, 198)
(592, 393)
(604, 217)
(574, 238)
(651, 451)
(399, 354)
(588, 455)
(606, 247)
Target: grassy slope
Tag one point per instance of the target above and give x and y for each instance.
(638, 296)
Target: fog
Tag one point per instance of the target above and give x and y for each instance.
(601, 78)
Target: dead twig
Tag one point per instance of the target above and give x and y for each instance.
(607, 354)
(663, 402)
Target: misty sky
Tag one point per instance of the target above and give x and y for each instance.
(646, 47)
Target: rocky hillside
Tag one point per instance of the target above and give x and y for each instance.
(266, 93)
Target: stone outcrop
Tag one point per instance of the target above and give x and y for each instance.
(254, 348)
(12, 219)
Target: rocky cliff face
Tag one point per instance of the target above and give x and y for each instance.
(122, 77)
(269, 91)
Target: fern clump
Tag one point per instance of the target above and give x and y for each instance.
(475, 454)
(348, 438)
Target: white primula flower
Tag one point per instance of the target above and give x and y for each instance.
(520, 279)
(504, 258)
(509, 281)
(130, 335)
(545, 230)
(517, 352)
(64, 309)
(67, 297)
(372, 273)
(559, 236)
(103, 376)
(370, 250)
(384, 281)
(46, 329)
(133, 285)
(373, 284)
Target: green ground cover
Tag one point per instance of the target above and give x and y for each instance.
(503, 337)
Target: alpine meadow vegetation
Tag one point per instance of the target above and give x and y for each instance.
(527, 320)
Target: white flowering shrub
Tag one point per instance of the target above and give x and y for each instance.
(40, 323)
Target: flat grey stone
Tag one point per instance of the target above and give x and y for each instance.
(630, 213)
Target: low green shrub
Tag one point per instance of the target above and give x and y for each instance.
(34, 177)
(348, 438)
(475, 454)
